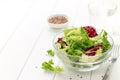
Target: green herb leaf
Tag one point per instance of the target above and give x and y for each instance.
(49, 66)
(50, 52)
(58, 69)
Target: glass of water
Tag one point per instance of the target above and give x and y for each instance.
(99, 11)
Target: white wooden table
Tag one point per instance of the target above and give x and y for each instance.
(25, 37)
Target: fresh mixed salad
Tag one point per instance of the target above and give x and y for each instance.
(84, 42)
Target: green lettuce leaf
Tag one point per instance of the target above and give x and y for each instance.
(103, 36)
(102, 39)
(49, 66)
(78, 40)
(50, 52)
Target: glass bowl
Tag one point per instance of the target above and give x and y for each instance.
(78, 63)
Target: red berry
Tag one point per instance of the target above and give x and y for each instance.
(91, 31)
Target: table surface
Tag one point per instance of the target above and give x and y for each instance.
(25, 37)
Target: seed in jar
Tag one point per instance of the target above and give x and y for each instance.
(58, 20)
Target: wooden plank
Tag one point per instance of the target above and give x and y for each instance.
(115, 73)
(23, 41)
(99, 73)
(69, 74)
(12, 14)
(33, 69)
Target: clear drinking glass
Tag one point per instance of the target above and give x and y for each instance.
(99, 11)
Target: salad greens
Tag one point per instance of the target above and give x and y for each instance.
(50, 52)
(78, 40)
(49, 66)
(106, 44)
(102, 39)
(83, 41)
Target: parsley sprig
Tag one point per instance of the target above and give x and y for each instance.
(48, 65)
(50, 52)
